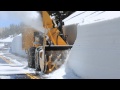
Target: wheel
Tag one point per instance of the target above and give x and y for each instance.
(31, 57)
(42, 60)
(37, 65)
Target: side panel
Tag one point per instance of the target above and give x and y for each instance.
(53, 34)
(71, 31)
(55, 38)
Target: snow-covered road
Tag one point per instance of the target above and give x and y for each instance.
(12, 66)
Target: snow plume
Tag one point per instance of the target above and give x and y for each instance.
(31, 18)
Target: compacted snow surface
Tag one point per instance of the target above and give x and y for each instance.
(96, 52)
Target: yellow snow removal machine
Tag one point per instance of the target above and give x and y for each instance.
(46, 51)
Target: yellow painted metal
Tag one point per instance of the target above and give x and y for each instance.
(53, 33)
(55, 37)
(47, 21)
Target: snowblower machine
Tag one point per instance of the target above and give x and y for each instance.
(47, 51)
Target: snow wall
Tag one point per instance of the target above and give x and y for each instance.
(96, 51)
(16, 46)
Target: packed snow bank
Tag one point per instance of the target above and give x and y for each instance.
(9, 39)
(5, 42)
(96, 51)
(87, 17)
(16, 46)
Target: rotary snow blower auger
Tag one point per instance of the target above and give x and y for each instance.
(49, 49)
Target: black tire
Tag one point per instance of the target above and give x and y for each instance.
(31, 57)
(37, 65)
